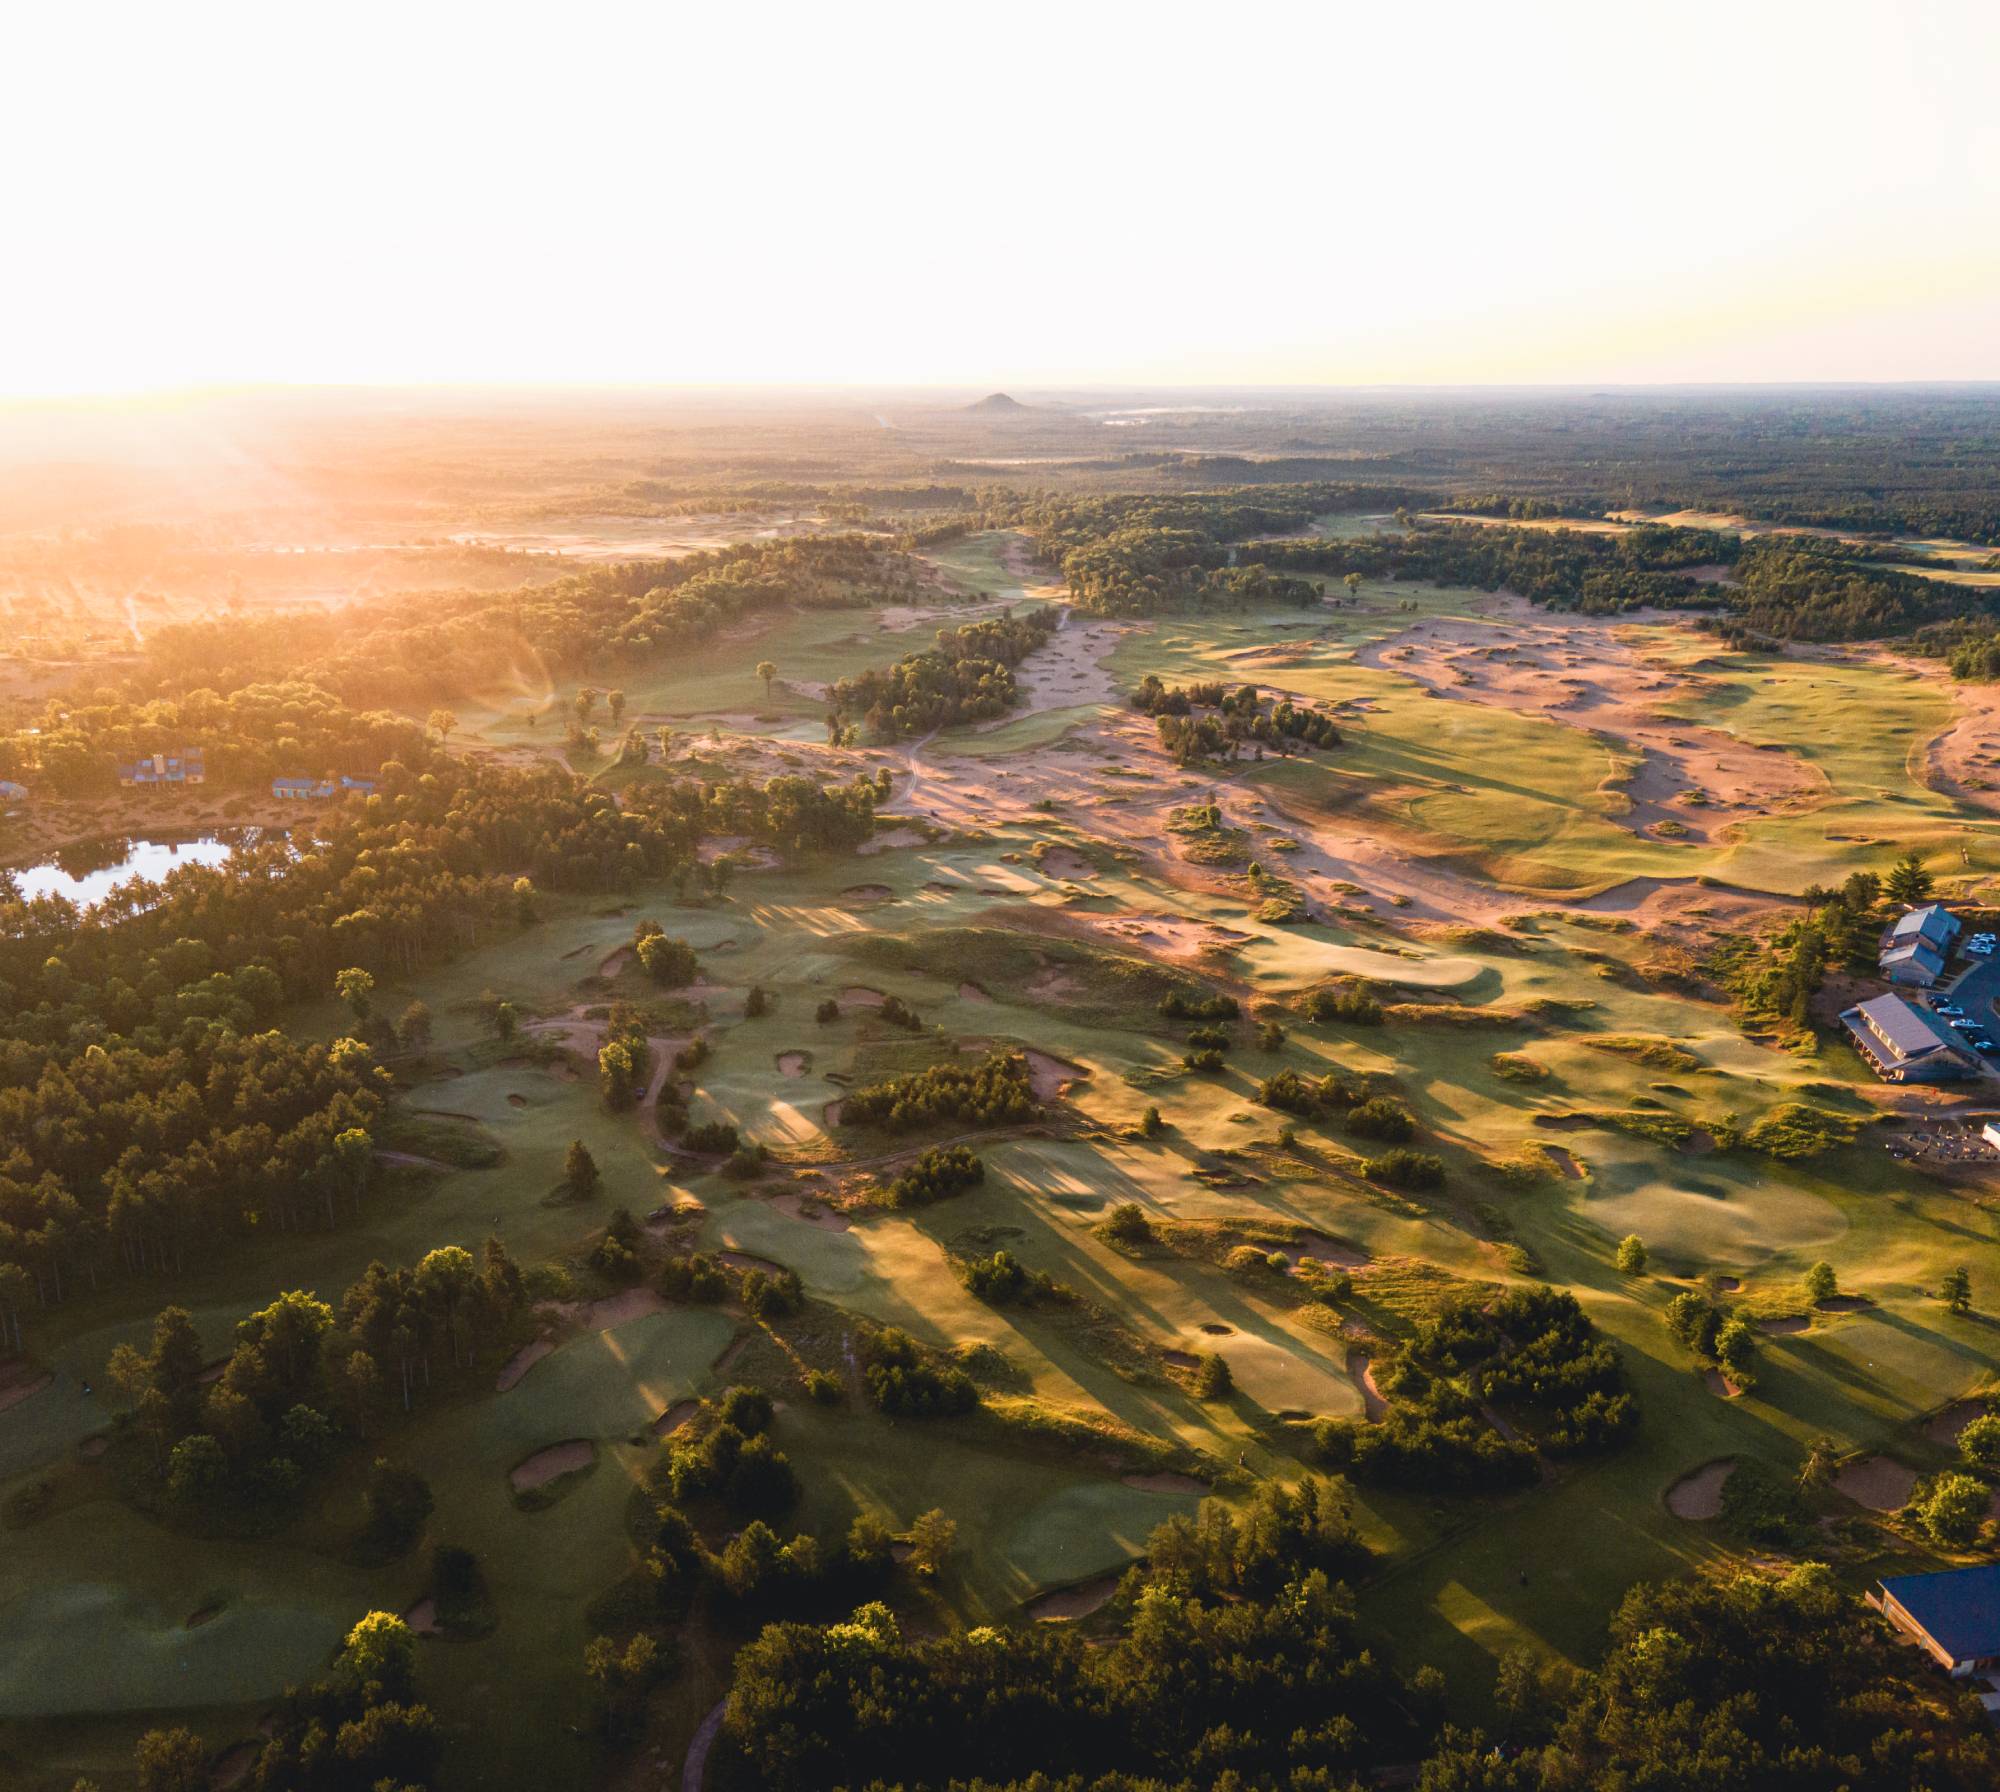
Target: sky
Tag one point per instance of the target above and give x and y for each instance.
(1090, 193)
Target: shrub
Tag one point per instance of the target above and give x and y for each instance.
(1127, 1224)
(669, 962)
(947, 1170)
(1381, 1119)
(998, 1278)
(713, 1138)
(1951, 1509)
(905, 1384)
(1403, 1168)
(1212, 1379)
(697, 1277)
(828, 1010)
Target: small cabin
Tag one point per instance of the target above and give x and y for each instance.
(188, 766)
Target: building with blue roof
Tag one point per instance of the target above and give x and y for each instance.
(188, 766)
(1954, 1616)
(308, 790)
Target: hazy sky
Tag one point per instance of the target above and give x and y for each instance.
(999, 196)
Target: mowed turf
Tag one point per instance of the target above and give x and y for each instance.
(1456, 1585)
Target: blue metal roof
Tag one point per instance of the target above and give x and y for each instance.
(1959, 1609)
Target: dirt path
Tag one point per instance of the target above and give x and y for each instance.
(411, 1160)
(696, 1764)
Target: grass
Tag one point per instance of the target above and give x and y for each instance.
(1505, 795)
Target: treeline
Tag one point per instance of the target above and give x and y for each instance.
(411, 647)
(150, 1108)
(1784, 587)
(1242, 718)
(247, 737)
(1242, 1664)
(1238, 1664)
(304, 1385)
(1140, 554)
(996, 1091)
(967, 677)
(1533, 1352)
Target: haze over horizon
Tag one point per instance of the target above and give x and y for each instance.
(1773, 195)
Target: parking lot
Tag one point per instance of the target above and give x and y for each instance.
(1974, 991)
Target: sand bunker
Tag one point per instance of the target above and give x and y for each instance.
(794, 1063)
(1180, 1359)
(868, 893)
(422, 1618)
(891, 840)
(517, 1101)
(234, 1767)
(1165, 1483)
(1719, 1384)
(1945, 1427)
(617, 1309)
(971, 992)
(1361, 1370)
(614, 962)
(1073, 1602)
(1592, 677)
(813, 1213)
(1880, 1483)
(1784, 1328)
(1050, 1076)
(24, 1390)
(859, 996)
(675, 1417)
(552, 1464)
(1699, 1495)
(521, 1362)
(1065, 862)
(744, 1260)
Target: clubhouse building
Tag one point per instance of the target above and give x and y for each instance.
(1907, 1045)
(1953, 1617)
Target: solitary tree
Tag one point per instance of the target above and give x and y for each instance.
(767, 671)
(505, 1021)
(1979, 1443)
(665, 736)
(931, 1540)
(1956, 1289)
(616, 700)
(1213, 1380)
(1353, 583)
(1952, 1508)
(1632, 1254)
(1822, 1457)
(355, 986)
(1821, 1284)
(580, 1173)
(1908, 881)
(381, 1651)
(171, 1761)
(414, 1029)
(442, 722)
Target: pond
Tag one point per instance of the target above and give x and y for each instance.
(88, 872)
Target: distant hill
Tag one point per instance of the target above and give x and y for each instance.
(998, 404)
